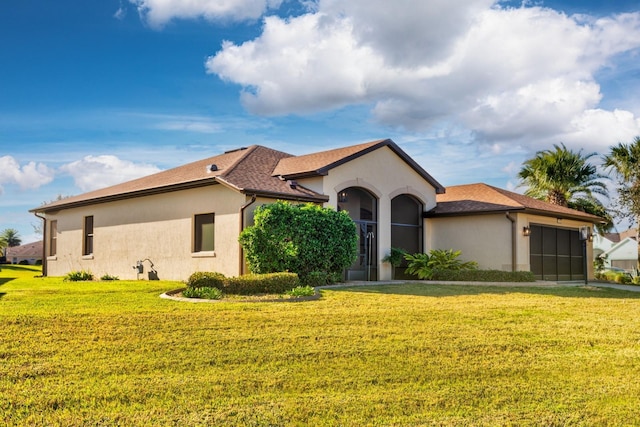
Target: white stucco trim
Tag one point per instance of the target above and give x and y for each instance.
(410, 191)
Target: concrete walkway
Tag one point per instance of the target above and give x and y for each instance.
(537, 284)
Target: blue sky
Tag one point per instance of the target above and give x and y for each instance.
(96, 92)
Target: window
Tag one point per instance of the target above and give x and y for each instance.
(87, 248)
(204, 233)
(53, 238)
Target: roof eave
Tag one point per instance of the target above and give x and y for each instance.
(125, 196)
(516, 209)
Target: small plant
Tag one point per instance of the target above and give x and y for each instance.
(205, 293)
(78, 276)
(419, 265)
(395, 258)
(301, 291)
(108, 277)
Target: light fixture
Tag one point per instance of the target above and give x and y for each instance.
(585, 234)
(526, 231)
(343, 197)
(293, 184)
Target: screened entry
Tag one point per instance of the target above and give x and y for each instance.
(406, 228)
(556, 253)
(362, 207)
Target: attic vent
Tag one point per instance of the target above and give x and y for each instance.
(235, 149)
(212, 168)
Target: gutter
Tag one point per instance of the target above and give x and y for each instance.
(44, 244)
(514, 245)
(241, 252)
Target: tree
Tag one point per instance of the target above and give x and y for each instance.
(10, 238)
(624, 161)
(566, 178)
(303, 239)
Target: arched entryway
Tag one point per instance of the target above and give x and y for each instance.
(363, 210)
(406, 227)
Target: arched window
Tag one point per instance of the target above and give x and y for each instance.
(406, 226)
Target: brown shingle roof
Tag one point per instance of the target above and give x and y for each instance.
(29, 250)
(253, 170)
(473, 199)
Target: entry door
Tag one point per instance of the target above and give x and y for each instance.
(365, 267)
(556, 253)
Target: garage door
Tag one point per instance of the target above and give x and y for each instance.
(556, 253)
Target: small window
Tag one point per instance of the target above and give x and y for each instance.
(204, 233)
(87, 248)
(53, 238)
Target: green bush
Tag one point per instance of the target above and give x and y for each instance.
(423, 265)
(320, 278)
(301, 291)
(300, 239)
(483, 276)
(205, 293)
(206, 279)
(253, 284)
(108, 277)
(78, 276)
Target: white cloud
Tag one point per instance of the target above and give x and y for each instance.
(93, 172)
(525, 74)
(29, 176)
(159, 12)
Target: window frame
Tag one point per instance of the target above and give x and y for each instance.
(199, 245)
(88, 233)
(53, 237)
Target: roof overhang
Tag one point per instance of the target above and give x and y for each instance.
(516, 210)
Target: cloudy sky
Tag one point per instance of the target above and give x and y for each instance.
(93, 93)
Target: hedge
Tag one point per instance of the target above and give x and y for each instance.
(483, 276)
(250, 284)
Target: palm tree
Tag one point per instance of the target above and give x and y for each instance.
(566, 178)
(10, 237)
(624, 161)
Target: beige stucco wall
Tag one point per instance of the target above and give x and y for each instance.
(385, 175)
(158, 228)
(486, 239)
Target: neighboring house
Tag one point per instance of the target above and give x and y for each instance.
(503, 230)
(31, 253)
(618, 249)
(173, 223)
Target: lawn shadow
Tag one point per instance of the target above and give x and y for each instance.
(4, 280)
(432, 289)
(2, 294)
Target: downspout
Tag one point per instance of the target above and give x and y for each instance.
(44, 244)
(242, 209)
(514, 246)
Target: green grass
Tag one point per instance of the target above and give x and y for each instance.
(114, 353)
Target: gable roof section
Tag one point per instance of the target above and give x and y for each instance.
(319, 164)
(247, 170)
(29, 250)
(620, 245)
(475, 199)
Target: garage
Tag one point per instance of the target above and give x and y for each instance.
(556, 253)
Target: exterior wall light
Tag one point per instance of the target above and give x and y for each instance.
(526, 231)
(343, 197)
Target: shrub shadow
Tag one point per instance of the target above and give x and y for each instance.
(433, 289)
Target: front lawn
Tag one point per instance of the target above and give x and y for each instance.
(114, 353)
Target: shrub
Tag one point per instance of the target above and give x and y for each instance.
(483, 276)
(206, 279)
(108, 277)
(320, 278)
(78, 276)
(253, 284)
(206, 293)
(300, 239)
(23, 262)
(423, 265)
(301, 291)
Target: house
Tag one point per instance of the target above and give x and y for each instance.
(503, 230)
(187, 219)
(619, 250)
(30, 253)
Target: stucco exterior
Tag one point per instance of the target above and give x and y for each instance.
(489, 239)
(156, 229)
